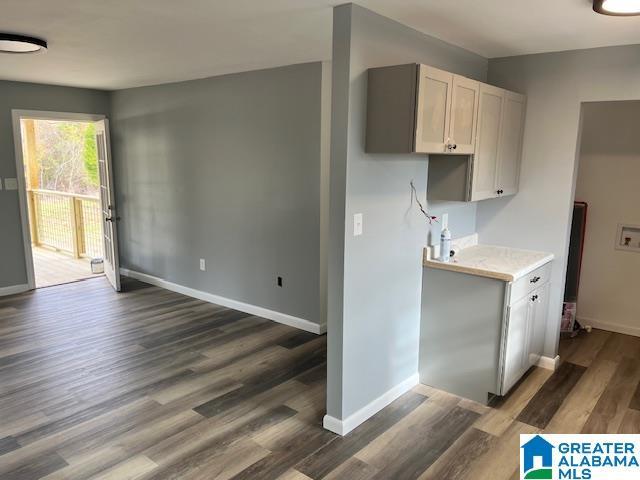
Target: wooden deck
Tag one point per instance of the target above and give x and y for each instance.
(54, 268)
(151, 385)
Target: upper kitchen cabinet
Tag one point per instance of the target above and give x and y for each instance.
(496, 165)
(420, 109)
(494, 169)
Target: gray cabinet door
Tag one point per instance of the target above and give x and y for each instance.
(485, 161)
(516, 352)
(434, 110)
(540, 308)
(510, 151)
(464, 115)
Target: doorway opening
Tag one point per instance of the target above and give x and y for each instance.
(603, 268)
(63, 201)
(66, 197)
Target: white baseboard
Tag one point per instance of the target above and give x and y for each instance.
(227, 302)
(549, 363)
(13, 289)
(342, 427)
(610, 326)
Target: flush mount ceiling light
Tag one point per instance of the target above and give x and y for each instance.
(621, 8)
(12, 43)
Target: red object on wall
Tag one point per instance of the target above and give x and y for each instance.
(576, 250)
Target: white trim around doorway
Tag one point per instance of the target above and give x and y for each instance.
(16, 116)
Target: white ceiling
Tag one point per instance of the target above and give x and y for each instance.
(123, 43)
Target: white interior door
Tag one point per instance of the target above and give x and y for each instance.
(107, 202)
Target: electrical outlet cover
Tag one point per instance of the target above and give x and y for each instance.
(357, 224)
(11, 184)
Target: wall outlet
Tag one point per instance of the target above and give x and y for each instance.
(203, 265)
(357, 224)
(10, 183)
(279, 281)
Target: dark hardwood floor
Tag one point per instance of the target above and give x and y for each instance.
(150, 384)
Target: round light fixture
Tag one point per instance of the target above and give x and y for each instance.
(620, 8)
(12, 43)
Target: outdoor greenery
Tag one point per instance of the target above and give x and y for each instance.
(67, 157)
(91, 154)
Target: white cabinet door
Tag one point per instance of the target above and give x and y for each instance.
(540, 299)
(464, 115)
(517, 343)
(485, 161)
(510, 151)
(434, 110)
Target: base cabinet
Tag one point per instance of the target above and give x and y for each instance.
(479, 336)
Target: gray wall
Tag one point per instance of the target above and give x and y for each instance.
(375, 279)
(29, 96)
(462, 219)
(226, 169)
(556, 84)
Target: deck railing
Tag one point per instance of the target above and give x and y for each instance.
(67, 222)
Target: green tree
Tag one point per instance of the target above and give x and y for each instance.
(67, 156)
(90, 154)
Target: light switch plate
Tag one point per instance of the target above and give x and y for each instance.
(357, 224)
(203, 264)
(10, 183)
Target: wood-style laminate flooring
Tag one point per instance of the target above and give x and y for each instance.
(150, 384)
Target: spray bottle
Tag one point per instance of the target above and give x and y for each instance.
(445, 240)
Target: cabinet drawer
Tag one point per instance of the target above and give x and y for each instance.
(530, 282)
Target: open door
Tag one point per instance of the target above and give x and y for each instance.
(107, 202)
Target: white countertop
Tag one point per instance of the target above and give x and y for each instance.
(501, 263)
